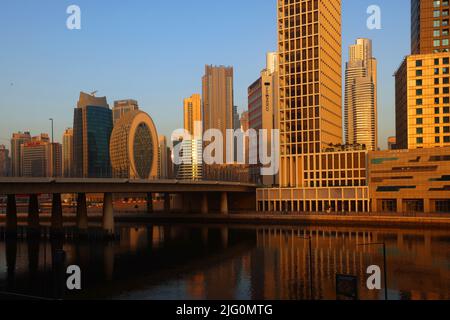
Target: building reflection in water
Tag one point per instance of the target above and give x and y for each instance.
(200, 262)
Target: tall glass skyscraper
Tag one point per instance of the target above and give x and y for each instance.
(92, 127)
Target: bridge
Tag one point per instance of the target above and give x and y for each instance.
(197, 196)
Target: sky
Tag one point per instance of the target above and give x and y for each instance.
(156, 52)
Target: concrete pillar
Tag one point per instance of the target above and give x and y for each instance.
(205, 208)
(149, 202)
(82, 217)
(57, 215)
(400, 205)
(33, 213)
(224, 203)
(108, 213)
(166, 202)
(11, 215)
(426, 205)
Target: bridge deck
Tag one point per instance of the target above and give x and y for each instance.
(63, 185)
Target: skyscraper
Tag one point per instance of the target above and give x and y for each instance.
(218, 100)
(429, 26)
(422, 80)
(92, 129)
(191, 167)
(192, 112)
(263, 113)
(361, 96)
(317, 173)
(123, 106)
(5, 162)
(17, 140)
(163, 159)
(67, 147)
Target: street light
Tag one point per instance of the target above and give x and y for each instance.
(384, 264)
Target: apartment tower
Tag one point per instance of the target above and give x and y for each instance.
(361, 96)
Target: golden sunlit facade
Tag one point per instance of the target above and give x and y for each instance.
(422, 101)
(317, 172)
(192, 112)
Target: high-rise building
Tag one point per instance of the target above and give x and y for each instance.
(192, 112)
(422, 80)
(134, 147)
(92, 127)
(5, 162)
(361, 96)
(67, 147)
(263, 114)
(123, 106)
(41, 158)
(163, 158)
(317, 173)
(429, 26)
(422, 101)
(191, 167)
(218, 100)
(17, 140)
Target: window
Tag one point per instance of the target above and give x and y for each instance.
(419, 83)
(436, 62)
(445, 42)
(445, 80)
(445, 70)
(436, 120)
(446, 90)
(436, 71)
(437, 33)
(436, 13)
(445, 33)
(446, 109)
(418, 63)
(419, 140)
(436, 3)
(436, 80)
(446, 119)
(447, 139)
(419, 111)
(419, 102)
(445, 60)
(418, 92)
(436, 110)
(437, 130)
(446, 129)
(436, 23)
(437, 43)
(436, 90)
(437, 140)
(419, 130)
(419, 121)
(418, 73)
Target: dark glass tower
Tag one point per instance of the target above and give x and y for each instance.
(92, 127)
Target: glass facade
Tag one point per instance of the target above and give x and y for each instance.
(143, 150)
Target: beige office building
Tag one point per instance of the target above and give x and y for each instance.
(218, 97)
(408, 181)
(263, 115)
(361, 96)
(317, 173)
(422, 101)
(123, 106)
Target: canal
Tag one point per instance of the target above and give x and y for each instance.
(231, 262)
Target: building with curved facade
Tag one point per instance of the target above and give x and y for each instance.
(134, 147)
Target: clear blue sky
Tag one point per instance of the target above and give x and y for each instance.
(155, 52)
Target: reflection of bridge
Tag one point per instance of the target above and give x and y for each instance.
(197, 196)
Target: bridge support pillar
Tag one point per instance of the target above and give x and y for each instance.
(108, 214)
(205, 209)
(82, 217)
(224, 203)
(11, 215)
(149, 202)
(166, 202)
(33, 215)
(57, 215)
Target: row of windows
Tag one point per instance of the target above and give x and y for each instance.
(446, 139)
(438, 3)
(437, 81)
(445, 100)
(437, 130)
(437, 120)
(419, 63)
(436, 72)
(445, 110)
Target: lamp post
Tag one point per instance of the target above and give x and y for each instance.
(384, 264)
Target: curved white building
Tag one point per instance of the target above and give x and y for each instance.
(134, 147)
